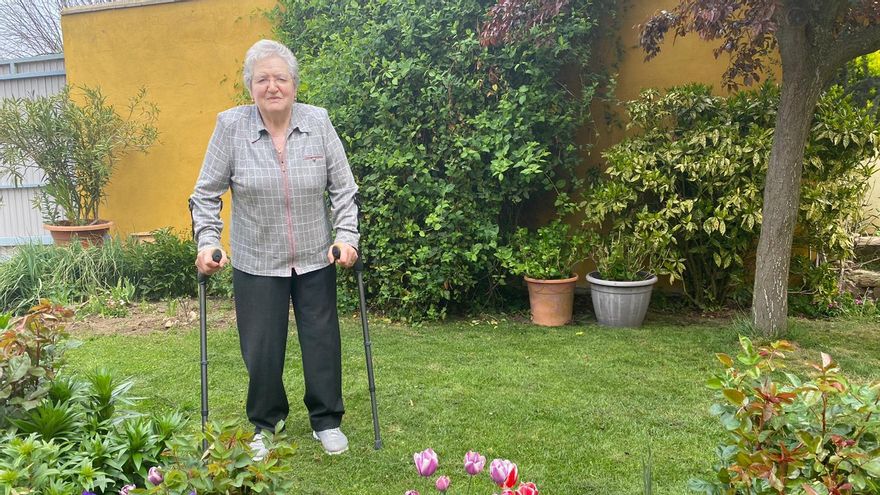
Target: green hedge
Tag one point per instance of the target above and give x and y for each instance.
(448, 139)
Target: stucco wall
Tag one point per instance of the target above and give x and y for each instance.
(188, 55)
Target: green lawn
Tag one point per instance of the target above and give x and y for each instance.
(574, 407)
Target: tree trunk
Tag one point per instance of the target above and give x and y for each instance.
(801, 86)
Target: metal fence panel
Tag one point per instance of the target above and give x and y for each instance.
(26, 78)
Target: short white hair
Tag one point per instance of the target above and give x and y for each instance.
(264, 49)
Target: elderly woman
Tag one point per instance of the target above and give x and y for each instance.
(279, 157)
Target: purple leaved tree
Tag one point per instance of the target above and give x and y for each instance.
(814, 38)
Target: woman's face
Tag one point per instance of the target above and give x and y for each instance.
(272, 86)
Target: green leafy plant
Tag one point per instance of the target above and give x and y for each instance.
(51, 420)
(550, 252)
(163, 268)
(112, 302)
(83, 435)
(786, 434)
(104, 394)
(65, 388)
(448, 138)
(226, 468)
(70, 432)
(850, 307)
(29, 464)
(819, 282)
(220, 284)
(74, 140)
(31, 348)
(626, 257)
(141, 447)
(861, 78)
(692, 177)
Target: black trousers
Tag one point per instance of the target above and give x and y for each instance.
(262, 306)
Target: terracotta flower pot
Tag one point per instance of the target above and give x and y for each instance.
(87, 235)
(147, 237)
(551, 301)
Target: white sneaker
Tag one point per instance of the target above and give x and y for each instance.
(333, 440)
(258, 450)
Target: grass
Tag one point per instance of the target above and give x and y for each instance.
(575, 407)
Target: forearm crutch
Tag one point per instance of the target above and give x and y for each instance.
(203, 326)
(359, 273)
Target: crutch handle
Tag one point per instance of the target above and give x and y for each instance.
(217, 255)
(358, 265)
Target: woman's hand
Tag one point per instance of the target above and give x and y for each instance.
(347, 255)
(206, 264)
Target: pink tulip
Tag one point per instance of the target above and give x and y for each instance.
(155, 476)
(127, 488)
(442, 483)
(411, 492)
(473, 463)
(528, 488)
(426, 462)
(498, 471)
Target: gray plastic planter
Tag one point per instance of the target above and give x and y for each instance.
(620, 304)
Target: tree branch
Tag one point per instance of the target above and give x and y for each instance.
(851, 44)
(830, 11)
(33, 27)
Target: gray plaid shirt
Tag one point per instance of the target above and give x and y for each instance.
(279, 216)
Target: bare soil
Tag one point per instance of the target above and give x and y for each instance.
(154, 317)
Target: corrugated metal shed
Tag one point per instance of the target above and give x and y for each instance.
(25, 78)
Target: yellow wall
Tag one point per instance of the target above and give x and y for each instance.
(188, 54)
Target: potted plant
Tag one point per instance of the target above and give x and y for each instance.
(621, 285)
(73, 140)
(545, 259)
